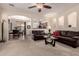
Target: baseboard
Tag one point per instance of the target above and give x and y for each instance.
(2, 41)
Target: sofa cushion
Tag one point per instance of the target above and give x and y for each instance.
(63, 33)
(70, 34)
(76, 33)
(37, 32)
(56, 33)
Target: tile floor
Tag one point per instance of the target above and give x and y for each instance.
(28, 47)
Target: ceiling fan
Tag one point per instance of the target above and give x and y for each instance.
(40, 6)
(12, 5)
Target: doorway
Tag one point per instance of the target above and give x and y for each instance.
(17, 27)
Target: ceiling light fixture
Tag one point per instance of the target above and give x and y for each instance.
(40, 6)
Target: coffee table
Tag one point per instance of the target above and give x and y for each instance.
(50, 40)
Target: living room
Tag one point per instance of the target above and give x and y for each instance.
(61, 18)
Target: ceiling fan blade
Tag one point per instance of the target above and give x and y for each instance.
(43, 3)
(39, 10)
(32, 7)
(46, 6)
(12, 5)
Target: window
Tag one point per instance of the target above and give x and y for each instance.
(72, 19)
(54, 22)
(61, 21)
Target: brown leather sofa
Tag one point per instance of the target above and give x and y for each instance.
(69, 37)
(38, 35)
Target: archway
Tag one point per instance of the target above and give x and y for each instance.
(17, 22)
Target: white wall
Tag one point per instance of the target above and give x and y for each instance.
(0, 23)
(65, 15)
(6, 30)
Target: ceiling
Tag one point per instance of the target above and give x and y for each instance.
(56, 7)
